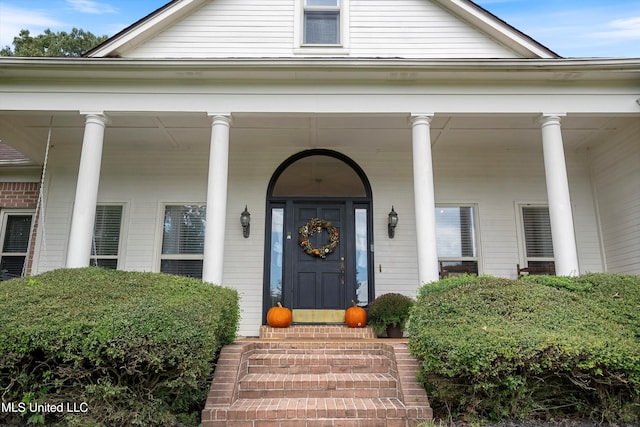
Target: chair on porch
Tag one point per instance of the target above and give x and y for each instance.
(457, 269)
(546, 269)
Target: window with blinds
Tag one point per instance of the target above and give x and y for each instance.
(105, 246)
(538, 244)
(456, 240)
(183, 240)
(16, 230)
(321, 22)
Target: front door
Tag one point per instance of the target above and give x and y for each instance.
(318, 263)
(319, 248)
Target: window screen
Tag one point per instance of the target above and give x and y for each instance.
(322, 22)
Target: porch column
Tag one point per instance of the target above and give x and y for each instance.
(424, 199)
(216, 199)
(84, 206)
(560, 212)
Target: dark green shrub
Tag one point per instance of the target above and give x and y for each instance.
(390, 309)
(135, 348)
(540, 347)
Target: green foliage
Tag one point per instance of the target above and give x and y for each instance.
(389, 310)
(58, 44)
(539, 346)
(137, 348)
(453, 282)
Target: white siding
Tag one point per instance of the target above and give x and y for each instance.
(254, 28)
(414, 28)
(616, 178)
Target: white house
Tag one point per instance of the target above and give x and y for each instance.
(492, 150)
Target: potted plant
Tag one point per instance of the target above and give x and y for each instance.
(390, 312)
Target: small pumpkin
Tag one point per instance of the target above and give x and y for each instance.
(279, 317)
(355, 316)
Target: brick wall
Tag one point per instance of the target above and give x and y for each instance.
(21, 195)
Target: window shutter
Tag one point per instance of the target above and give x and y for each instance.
(537, 232)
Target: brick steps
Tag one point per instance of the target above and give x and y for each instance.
(302, 382)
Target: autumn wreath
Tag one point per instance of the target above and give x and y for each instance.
(317, 225)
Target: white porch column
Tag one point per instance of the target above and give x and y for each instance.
(424, 199)
(560, 212)
(84, 207)
(216, 199)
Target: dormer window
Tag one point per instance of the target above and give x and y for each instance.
(321, 22)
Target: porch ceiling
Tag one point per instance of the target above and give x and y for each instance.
(28, 132)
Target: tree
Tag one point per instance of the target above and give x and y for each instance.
(49, 43)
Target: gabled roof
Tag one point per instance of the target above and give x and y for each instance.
(468, 11)
(145, 28)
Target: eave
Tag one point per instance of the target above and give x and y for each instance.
(74, 70)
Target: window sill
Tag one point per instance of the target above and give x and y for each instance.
(324, 50)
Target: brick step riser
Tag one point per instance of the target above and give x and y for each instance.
(316, 382)
(338, 393)
(304, 409)
(320, 351)
(318, 369)
(373, 362)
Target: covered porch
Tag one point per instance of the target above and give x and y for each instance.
(482, 172)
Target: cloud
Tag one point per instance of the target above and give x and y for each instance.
(13, 19)
(92, 7)
(627, 28)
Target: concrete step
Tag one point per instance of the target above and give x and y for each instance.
(257, 386)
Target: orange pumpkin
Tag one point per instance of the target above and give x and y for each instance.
(279, 317)
(355, 316)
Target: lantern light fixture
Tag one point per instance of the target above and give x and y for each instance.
(393, 222)
(245, 221)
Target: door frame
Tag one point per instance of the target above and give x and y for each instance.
(288, 203)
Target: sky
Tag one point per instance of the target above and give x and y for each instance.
(571, 28)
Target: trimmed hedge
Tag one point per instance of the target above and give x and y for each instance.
(121, 348)
(536, 347)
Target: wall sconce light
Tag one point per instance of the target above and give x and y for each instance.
(245, 221)
(393, 222)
